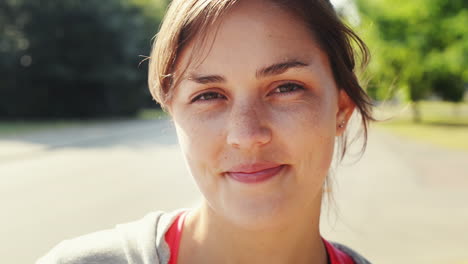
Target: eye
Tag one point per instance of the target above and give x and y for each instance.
(208, 96)
(287, 88)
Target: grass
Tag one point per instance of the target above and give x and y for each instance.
(8, 128)
(20, 127)
(150, 114)
(443, 124)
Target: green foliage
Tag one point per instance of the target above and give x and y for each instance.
(72, 58)
(445, 124)
(419, 45)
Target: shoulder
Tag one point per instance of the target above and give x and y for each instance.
(138, 242)
(357, 258)
(99, 247)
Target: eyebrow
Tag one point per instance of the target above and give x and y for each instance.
(279, 68)
(274, 69)
(204, 79)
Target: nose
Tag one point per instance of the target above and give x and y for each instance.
(248, 127)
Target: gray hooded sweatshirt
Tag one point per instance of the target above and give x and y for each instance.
(139, 242)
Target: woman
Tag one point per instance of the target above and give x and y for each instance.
(260, 92)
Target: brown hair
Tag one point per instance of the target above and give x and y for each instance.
(187, 19)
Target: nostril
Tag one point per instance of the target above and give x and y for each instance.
(248, 134)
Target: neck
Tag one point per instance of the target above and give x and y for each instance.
(209, 238)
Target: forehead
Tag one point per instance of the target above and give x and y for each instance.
(251, 34)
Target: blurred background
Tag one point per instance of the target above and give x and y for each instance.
(83, 146)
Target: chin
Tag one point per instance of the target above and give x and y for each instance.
(257, 214)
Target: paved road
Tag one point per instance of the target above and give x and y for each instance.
(402, 203)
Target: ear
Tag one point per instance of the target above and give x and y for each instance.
(345, 110)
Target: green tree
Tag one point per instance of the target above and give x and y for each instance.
(420, 46)
(72, 58)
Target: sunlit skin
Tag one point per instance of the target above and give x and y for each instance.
(263, 93)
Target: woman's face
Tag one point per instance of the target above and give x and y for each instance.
(257, 117)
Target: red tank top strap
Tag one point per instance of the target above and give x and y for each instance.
(173, 236)
(336, 256)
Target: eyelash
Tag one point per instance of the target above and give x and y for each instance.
(200, 96)
(289, 85)
(295, 87)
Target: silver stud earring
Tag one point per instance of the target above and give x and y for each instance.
(342, 124)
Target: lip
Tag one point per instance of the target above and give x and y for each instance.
(255, 173)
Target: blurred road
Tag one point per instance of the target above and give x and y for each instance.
(402, 203)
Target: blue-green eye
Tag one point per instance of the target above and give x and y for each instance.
(208, 96)
(286, 88)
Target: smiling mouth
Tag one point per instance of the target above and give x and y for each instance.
(255, 176)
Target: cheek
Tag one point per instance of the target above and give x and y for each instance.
(310, 117)
(314, 155)
(308, 130)
(201, 141)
